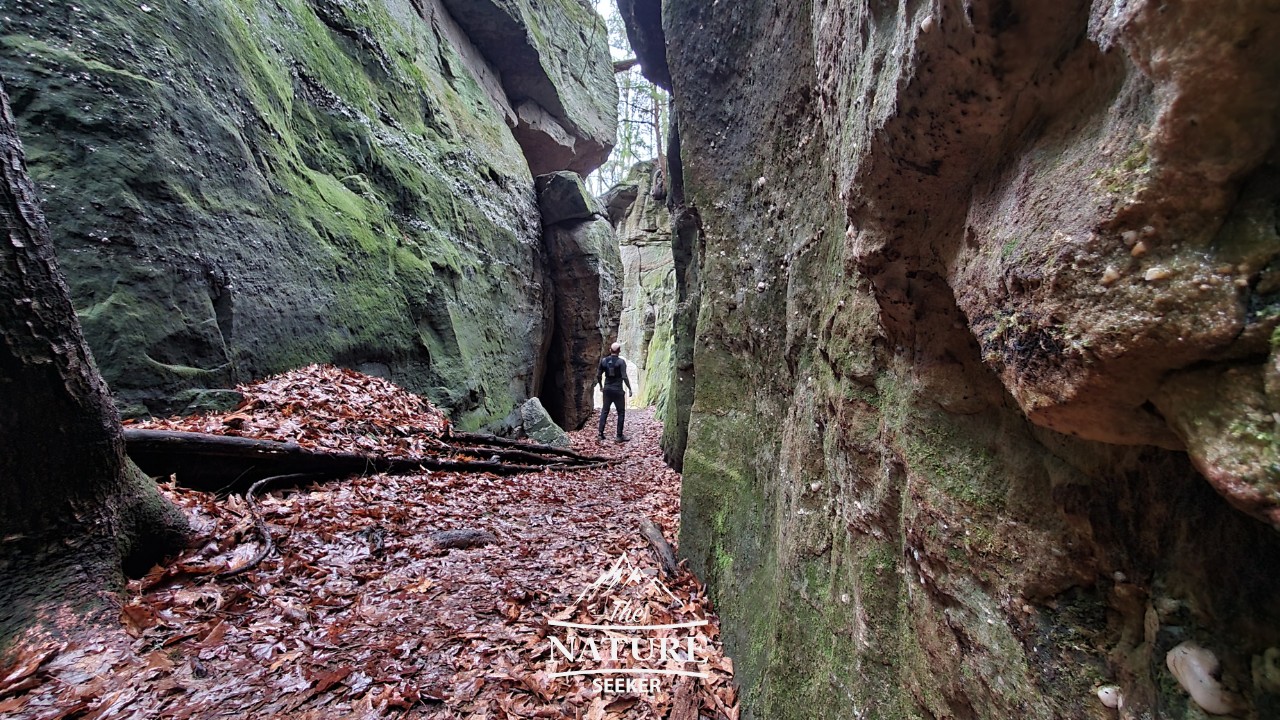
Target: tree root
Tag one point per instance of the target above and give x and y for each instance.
(268, 544)
(214, 462)
(479, 439)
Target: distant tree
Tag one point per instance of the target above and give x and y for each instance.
(642, 117)
(73, 508)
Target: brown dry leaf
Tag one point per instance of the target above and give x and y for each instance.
(137, 618)
(359, 615)
(26, 665)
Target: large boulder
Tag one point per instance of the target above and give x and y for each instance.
(563, 196)
(585, 277)
(539, 426)
(971, 276)
(237, 188)
(555, 66)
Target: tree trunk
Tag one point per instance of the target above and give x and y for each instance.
(73, 509)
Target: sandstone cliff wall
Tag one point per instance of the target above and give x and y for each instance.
(240, 187)
(983, 387)
(642, 225)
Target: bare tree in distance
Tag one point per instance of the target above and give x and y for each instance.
(642, 117)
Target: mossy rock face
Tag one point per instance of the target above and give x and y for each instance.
(237, 187)
(923, 475)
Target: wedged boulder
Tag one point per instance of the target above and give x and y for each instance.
(617, 200)
(643, 19)
(563, 196)
(539, 426)
(554, 62)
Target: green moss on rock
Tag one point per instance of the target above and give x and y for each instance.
(237, 187)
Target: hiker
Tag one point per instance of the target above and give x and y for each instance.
(613, 373)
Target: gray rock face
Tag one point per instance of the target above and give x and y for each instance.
(971, 277)
(585, 271)
(556, 69)
(237, 188)
(643, 19)
(539, 426)
(643, 229)
(563, 196)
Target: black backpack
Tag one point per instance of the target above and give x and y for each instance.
(613, 367)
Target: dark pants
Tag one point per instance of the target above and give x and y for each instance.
(618, 400)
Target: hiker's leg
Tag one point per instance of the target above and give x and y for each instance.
(622, 413)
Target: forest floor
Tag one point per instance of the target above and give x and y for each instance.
(359, 613)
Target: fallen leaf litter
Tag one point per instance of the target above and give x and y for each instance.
(361, 613)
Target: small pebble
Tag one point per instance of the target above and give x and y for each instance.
(1129, 237)
(1139, 249)
(1110, 696)
(1110, 275)
(1157, 273)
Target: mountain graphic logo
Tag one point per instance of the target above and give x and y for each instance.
(623, 624)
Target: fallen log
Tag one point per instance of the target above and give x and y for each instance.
(661, 548)
(223, 462)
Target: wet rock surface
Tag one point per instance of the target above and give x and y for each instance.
(983, 296)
